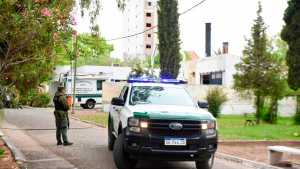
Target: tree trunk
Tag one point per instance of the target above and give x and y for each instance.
(258, 103)
(273, 110)
(297, 115)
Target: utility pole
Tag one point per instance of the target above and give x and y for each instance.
(75, 72)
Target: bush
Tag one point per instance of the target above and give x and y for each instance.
(40, 100)
(35, 99)
(265, 115)
(297, 118)
(215, 98)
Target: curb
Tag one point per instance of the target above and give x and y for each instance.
(17, 154)
(88, 122)
(245, 162)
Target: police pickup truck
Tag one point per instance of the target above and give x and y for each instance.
(159, 120)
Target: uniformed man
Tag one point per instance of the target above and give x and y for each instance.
(61, 116)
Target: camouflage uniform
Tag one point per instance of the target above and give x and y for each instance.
(61, 117)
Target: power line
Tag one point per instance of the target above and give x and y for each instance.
(147, 30)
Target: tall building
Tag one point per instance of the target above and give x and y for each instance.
(138, 16)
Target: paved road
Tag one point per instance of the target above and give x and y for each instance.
(88, 152)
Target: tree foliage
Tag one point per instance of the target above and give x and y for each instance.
(29, 31)
(291, 34)
(93, 50)
(168, 34)
(260, 72)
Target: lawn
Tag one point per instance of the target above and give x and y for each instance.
(99, 118)
(232, 128)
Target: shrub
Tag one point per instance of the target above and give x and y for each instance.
(35, 99)
(215, 98)
(265, 114)
(40, 100)
(297, 118)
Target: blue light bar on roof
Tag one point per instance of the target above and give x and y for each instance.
(155, 80)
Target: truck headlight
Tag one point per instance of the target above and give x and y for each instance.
(135, 125)
(133, 122)
(209, 127)
(144, 124)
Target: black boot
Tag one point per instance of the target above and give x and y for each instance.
(68, 143)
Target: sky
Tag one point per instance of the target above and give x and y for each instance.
(231, 22)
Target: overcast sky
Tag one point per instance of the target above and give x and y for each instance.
(231, 21)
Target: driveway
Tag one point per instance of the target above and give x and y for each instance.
(88, 152)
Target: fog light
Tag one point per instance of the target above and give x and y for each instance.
(144, 124)
(135, 129)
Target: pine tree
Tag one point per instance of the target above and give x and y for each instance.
(256, 72)
(169, 40)
(291, 34)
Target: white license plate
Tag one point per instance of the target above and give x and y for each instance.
(175, 141)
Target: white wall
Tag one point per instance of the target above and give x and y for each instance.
(237, 104)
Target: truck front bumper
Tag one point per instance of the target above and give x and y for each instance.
(146, 146)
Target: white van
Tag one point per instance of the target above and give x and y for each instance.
(88, 89)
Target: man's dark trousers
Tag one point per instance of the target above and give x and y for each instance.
(61, 131)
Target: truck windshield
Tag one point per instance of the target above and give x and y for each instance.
(159, 95)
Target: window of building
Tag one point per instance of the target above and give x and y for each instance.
(149, 3)
(148, 46)
(148, 25)
(213, 78)
(148, 14)
(149, 35)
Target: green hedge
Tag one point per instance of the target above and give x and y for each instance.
(215, 98)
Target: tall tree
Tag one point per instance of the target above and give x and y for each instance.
(93, 50)
(169, 40)
(256, 71)
(291, 34)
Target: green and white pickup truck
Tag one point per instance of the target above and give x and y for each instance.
(160, 121)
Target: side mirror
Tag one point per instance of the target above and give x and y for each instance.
(203, 105)
(117, 101)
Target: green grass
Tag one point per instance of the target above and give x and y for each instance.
(232, 128)
(99, 118)
(2, 152)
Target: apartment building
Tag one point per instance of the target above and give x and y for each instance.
(138, 16)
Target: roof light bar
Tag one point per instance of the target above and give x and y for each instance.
(155, 80)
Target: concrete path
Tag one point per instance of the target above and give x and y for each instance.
(89, 151)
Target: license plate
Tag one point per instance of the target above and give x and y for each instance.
(175, 141)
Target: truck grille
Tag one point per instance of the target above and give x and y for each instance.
(161, 128)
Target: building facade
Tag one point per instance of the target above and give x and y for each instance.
(139, 16)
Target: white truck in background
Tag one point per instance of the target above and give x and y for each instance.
(88, 90)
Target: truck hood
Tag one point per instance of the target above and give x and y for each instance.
(167, 112)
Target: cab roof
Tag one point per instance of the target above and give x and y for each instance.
(156, 84)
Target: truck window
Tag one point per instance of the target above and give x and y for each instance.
(124, 93)
(99, 84)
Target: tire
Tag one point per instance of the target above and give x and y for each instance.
(90, 104)
(206, 164)
(111, 137)
(120, 157)
(83, 106)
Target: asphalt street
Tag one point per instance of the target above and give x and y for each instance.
(88, 152)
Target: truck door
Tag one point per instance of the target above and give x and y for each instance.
(116, 110)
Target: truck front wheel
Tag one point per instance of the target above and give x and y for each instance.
(206, 164)
(122, 159)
